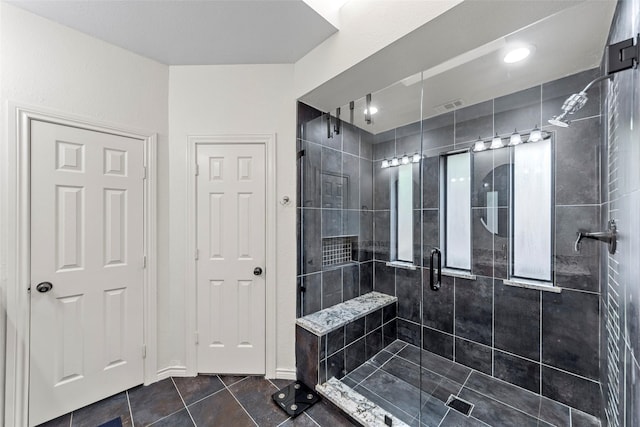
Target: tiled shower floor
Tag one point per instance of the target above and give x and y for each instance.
(391, 380)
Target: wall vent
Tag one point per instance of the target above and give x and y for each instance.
(449, 106)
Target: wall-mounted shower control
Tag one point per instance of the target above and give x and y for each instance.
(609, 237)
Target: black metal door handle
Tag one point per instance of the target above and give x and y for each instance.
(44, 287)
(257, 271)
(435, 281)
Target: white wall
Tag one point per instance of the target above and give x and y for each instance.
(233, 99)
(48, 66)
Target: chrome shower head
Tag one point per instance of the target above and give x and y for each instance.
(560, 120)
(572, 104)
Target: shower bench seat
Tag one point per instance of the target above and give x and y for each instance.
(338, 339)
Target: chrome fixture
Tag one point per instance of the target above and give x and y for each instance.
(609, 237)
(515, 138)
(435, 274)
(496, 142)
(573, 104)
(535, 135)
(479, 145)
(404, 160)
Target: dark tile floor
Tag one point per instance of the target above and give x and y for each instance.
(205, 400)
(393, 379)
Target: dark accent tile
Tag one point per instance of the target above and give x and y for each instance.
(473, 355)
(322, 372)
(495, 413)
(331, 287)
(312, 298)
(384, 146)
(366, 244)
(232, 379)
(366, 145)
(350, 223)
(399, 393)
(220, 409)
(335, 341)
(366, 184)
(553, 412)
(354, 355)
(380, 358)
(384, 279)
(438, 306)
(408, 288)
(577, 270)
(193, 389)
(373, 321)
(554, 94)
(432, 412)
(438, 131)
(323, 347)
(350, 139)
(332, 180)
(307, 357)
(350, 282)
(335, 365)
(389, 312)
(179, 419)
(444, 389)
(501, 246)
(516, 370)
(577, 151)
(473, 121)
(395, 346)
(571, 390)
(63, 421)
(409, 332)
(351, 176)
(405, 370)
(430, 234)
(254, 394)
(152, 402)
(482, 178)
(373, 343)
(331, 222)
(501, 391)
(520, 110)
(456, 419)
(310, 173)
(325, 414)
(431, 182)
(311, 256)
(382, 239)
(474, 309)
(366, 277)
(437, 342)
(361, 372)
(482, 244)
(408, 144)
(354, 330)
(389, 332)
(517, 320)
(381, 186)
(580, 419)
(570, 332)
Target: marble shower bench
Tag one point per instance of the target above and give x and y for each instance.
(335, 341)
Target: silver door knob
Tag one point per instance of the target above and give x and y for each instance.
(44, 287)
(257, 271)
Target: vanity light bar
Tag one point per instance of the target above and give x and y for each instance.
(514, 139)
(404, 160)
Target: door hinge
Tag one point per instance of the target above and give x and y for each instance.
(144, 261)
(144, 351)
(197, 170)
(197, 254)
(144, 173)
(197, 337)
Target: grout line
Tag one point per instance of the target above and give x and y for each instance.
(167, 416)
(236, 399)
(445, 416)
(133, 424)
(71, 417)
(234, 383)
(183, 402)
(311, 418)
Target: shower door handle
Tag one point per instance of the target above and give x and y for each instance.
(435, 280)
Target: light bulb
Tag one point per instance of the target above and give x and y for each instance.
(373, 110)
(515, 138)
(395, 162)
(535, 135)
(479, 145)
(405, 160)
(385, 164)
(496, 142)
(416, 158)
(516, 55)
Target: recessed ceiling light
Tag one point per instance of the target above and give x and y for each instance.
(517, 54)
(373, 110)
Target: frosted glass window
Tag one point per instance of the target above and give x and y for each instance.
(405, 213)
(532, 211)
(457, 222)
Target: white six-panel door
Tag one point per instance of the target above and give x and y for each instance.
(231, 217)
(87, 240)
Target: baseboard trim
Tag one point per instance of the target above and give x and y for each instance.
(172, 371)
(286, 374)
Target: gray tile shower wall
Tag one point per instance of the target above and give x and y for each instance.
(620, 298)
(545, 342)
(335, 199)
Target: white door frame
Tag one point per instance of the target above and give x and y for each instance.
(269, 141)
(18, 176)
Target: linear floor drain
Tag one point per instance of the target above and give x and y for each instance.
(459, 405)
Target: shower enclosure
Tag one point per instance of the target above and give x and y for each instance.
(462, 207)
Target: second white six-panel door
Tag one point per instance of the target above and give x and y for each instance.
(230, 193)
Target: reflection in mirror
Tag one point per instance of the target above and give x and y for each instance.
(402, 215)
(493, 193)
(457, 204)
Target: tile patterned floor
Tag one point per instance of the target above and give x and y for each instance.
(205, 400)
(392, 380)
